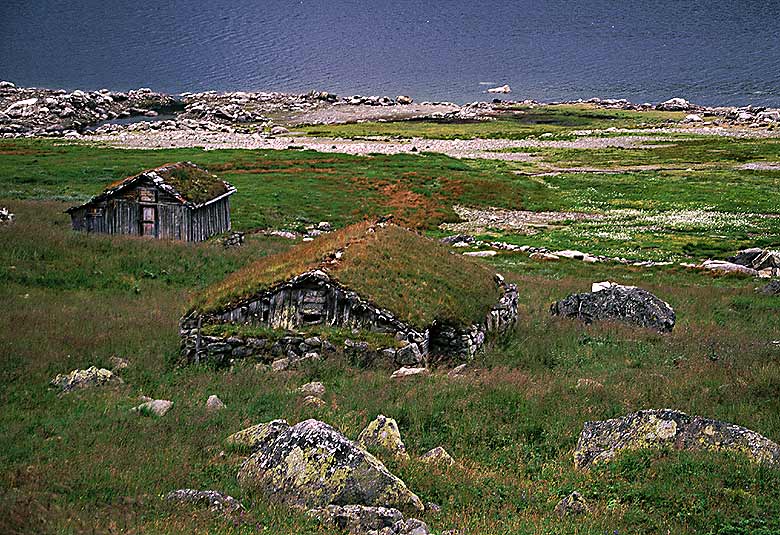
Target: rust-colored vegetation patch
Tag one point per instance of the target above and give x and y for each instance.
(416, 278)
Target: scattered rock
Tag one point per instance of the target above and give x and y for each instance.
(757, 258)
(214, 403)
(438, 456)
(675, 104)
(316, 389)
(501, 89)
(234, 239)
(773, 288)
(571, 505)
(403, 100)
(481, 254)
(90, 377)
(382, 434)
(693, 118)
(589, 383)
(615, 302)
(457, 371)
(408, 372)
(544, 257)
(6, 216)
(280, 364)
(432, 507)
(279, 130)
(215, 501)
(252, 436)
(118, 363)
(360, 520)
(728, 267)
(157, 407)
(601, 441)
(313, 401)
(312, 465)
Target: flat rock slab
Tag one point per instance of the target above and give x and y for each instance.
(215, 501)
(313, 465)
(601, 441)
(615, 302)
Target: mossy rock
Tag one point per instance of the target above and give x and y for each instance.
(312, 465)
(382, 435)
(601, 441)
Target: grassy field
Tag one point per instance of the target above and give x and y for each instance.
(83, 463)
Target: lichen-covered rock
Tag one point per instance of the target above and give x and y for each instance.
(313, 401)
(158, 407)
(382, 434)
(252, 436)
(92, 376)
(602, 440)
(573, 504)
(215, 501)
(438, 456)
(316, 389)
(773, 288)
(357, 518)
(615, 302)
(312, 465)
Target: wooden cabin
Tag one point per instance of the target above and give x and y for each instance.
(178, 201)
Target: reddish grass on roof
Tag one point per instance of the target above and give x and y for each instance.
(415, 278)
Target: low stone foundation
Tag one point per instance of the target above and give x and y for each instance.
(412, 348)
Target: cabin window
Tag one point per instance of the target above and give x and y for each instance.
(147, 195)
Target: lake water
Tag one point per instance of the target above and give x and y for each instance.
(715, 53)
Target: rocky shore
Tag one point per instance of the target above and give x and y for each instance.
(31, 112)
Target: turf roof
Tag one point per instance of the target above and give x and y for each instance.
(417, 279)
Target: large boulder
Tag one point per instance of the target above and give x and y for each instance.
(312, 465)
(382, 434)
(611, 301)
(601, 441)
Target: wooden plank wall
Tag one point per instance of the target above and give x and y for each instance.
(209, 220)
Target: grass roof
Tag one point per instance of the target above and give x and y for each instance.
(417, 279)
(193, 183)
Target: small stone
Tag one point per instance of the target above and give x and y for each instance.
(313, 341)
(383, 434)
(589, 383)
(118, 363)
(214, 403)
(573, 504)
(313, 401)
(280, 364)
(157, 407)
(457, 371)
(279, 130)
(216, 501)
(432, 507)
(438, 456)
(316, 389)
(408, 372)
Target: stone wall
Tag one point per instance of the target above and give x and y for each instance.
(313, 299)
(464, 343)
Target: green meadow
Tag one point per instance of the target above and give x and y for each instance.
(83, 463)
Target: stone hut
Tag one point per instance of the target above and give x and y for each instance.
(178, 201)
(375, 291)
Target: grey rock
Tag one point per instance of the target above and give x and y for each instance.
(215, 501)
(315, 388)
(573, 504)
(601, 441)
(438, 456)
(280, 364)
(409, 355)
(757, 258)
(382, 434)
(312, 465)
(252, 436)
(213, 403)
(90, 377)
(403, 372)
(622, 303)
(157, 407)
(773, 288)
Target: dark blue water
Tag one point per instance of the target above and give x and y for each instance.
(716, 53)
